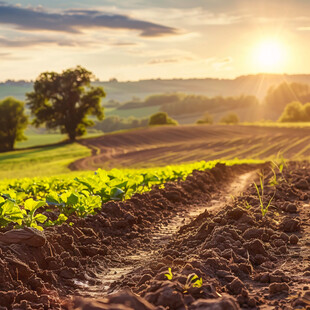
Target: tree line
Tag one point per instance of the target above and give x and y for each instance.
(179, 104)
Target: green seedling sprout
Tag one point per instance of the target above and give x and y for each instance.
(198, 283)
(247, 205)
(279, 164)
(190, 282)
(264, 209)
(169, 275)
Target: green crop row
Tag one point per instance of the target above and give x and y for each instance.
(37, 202)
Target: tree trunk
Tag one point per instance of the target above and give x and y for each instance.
(72, 136)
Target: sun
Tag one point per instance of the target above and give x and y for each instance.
(270, 55)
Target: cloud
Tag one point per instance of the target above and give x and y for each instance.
(222, 64)
(157, 61)
(75, 21)
(26, 42)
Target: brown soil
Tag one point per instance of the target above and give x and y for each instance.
(117, 259)
(177, 144)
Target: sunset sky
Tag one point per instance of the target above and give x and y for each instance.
(141, 39)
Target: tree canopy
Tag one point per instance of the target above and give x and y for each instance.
(161, 118)
(279, 96)
(296, 112)
(13, 122)
(63, 100)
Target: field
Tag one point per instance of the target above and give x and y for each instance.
(177, 233)
(166, 145)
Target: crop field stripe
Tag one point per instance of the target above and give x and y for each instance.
(298, 145)
(273, 149)
(20, 199)
(303, 153)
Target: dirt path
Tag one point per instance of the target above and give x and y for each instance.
(161, 234)
(172, 145)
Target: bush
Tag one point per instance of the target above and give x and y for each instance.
(207, 119)
(161, 118)
(231, 118)
(296, 112)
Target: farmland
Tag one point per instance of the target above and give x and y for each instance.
(154, 155)
(93, 232)
(165, 145)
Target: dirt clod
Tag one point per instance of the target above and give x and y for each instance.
(294, 239)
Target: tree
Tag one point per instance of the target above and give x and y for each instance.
(13, 122)
(230, 118)
(63, 100)
(278, 97)
(161, 118)
(296, 112)
(207, 119)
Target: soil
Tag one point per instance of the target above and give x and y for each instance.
(166, 145)
(210, 225)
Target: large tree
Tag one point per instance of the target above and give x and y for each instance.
(63, 100)
(13, 122)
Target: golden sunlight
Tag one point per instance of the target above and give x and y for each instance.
(270, 55)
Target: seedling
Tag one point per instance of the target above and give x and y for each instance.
(190, 282)
(264, 209)
(247, 205)
(169, 275)
(198, 283)
(278, 164)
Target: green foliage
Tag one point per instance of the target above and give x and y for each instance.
(161, 118)
(296, 112)
(279, 96)
(230, 118)
(13, 122)
(207, 119)
(64, 100)
(10, 212)
(81, 196)
(20, 199)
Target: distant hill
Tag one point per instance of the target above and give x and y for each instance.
(124, 91)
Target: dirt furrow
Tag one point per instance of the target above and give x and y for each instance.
(162, 234)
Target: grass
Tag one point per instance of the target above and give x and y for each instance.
(40, 139)
(45, 161)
